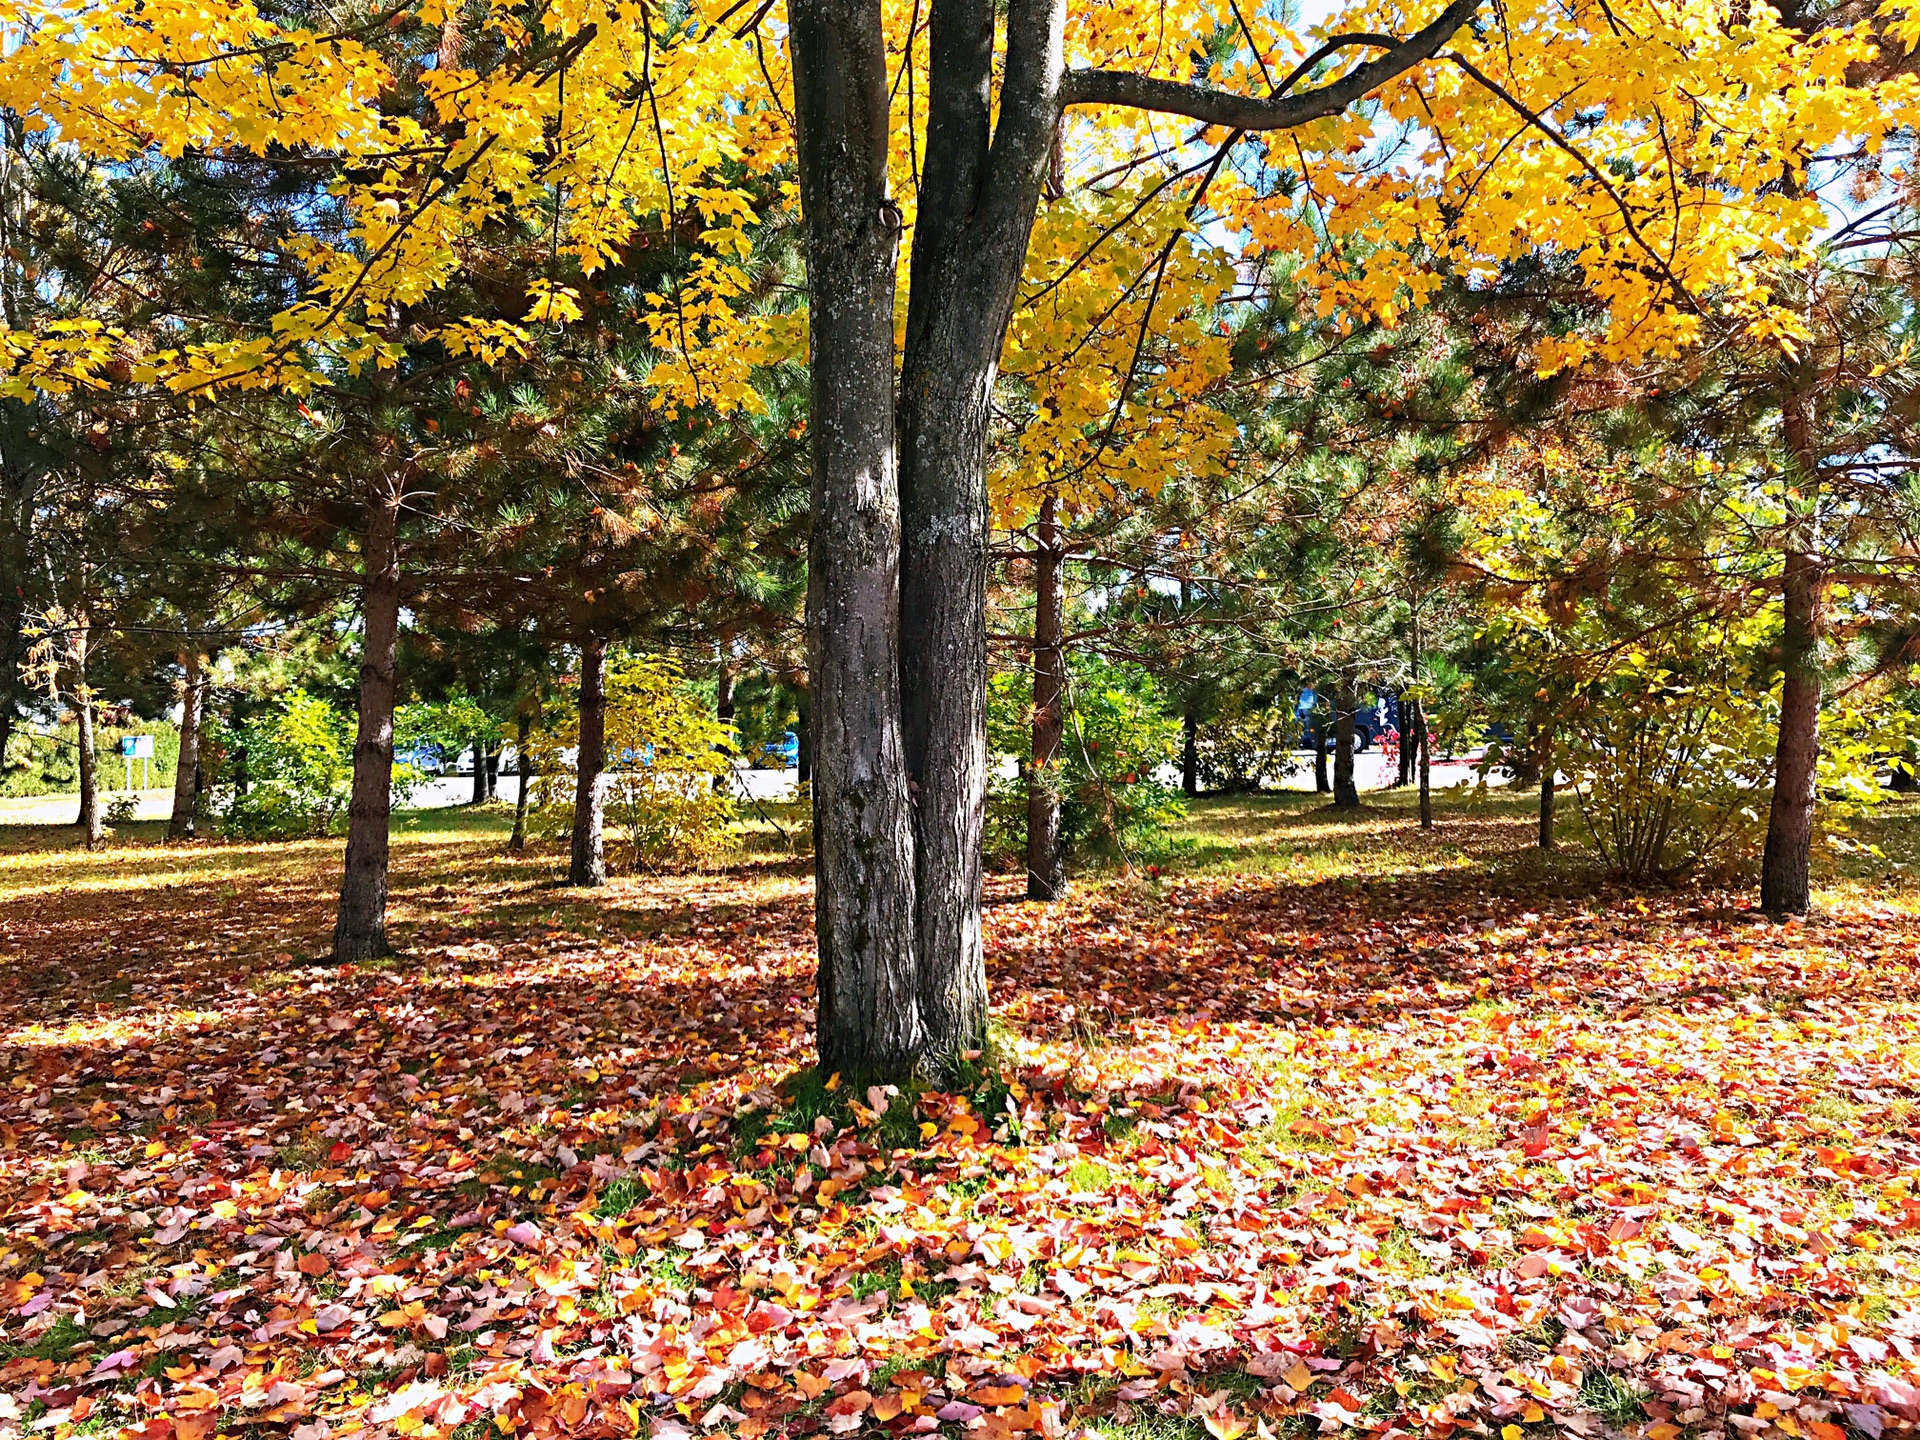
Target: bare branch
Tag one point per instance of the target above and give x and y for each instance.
(1278, 112)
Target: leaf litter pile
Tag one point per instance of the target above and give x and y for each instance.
(1248, 1158)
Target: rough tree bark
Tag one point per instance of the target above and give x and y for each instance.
(186, 787)
(360, 927)
(897, 634)
(978, 196)
(1046, 855)
(588, 863)
(1346, 796)
(869, 1015)
(1785, 864)
(91, 823)
(517, 842)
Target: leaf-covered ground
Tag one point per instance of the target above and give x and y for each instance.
(1400, 1135)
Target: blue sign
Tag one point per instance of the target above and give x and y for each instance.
(136, 747)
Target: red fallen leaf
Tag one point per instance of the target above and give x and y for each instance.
(854, 1402)
(339, 1153)
(314, 1264)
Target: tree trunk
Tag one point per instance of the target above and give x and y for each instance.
(1786, 863)
(479, 770)
(1403, 775)
(1189, 752)
(360, 930)
(723, 710)
(1321, 785)
(1426, 767)
(493, 771)
(588, 865)
(517, 842)
(1544, 741)
(869, 1015)
(803, 752)
(1346, 796)
(978, 196)
(90, 821)
(12, 617)
(1046, 856)
(186, 774)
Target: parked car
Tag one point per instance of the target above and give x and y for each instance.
(1369, 723)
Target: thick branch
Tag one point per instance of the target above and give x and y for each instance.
(1281, 112)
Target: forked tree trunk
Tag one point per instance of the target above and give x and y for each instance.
(1046, 855)
(869, 1013)
(186, 773)
(523, 762)
(588, 863)
(360, 929)
(91, 822)
(978, 195)
(900, 689)
(1346, 795)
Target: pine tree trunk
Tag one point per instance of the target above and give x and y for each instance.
(869, 1015)
(1046, 855)
(1346, 795)
(360, 929)
(479, 771)
(91, 822)
(803, 751)
(1785, 865)
(1321, 785)
(1403, 775)
(523, 762)
(1786, 862)
(588, 864)
(1426, 768)
(723, 711)
(1546, 763)
(1189, 752)
(186, 774)
(493, 771)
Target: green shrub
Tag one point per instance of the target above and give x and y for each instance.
(299, 771)
(1247, 746)
(1118, 735)
(1670, 758)
(668, 760)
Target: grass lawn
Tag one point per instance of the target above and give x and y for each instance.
(1329, 1125)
